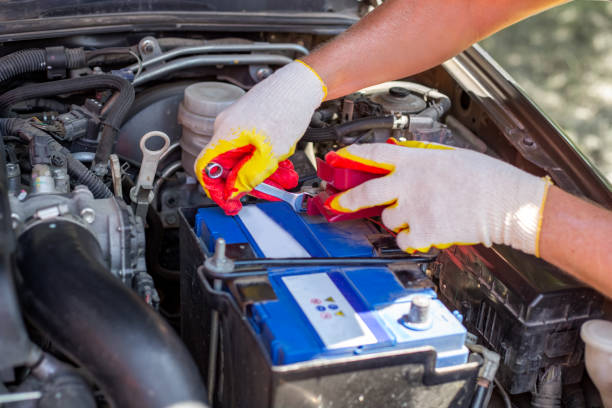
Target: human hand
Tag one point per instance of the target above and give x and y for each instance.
(258, 131)
(439, 196)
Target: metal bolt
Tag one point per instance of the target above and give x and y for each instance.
(147, 46)
(419, 310)
(417, 317)
(170, 219)
(170, 201)
(15, 220)
(57, 160)
(219, 263)
(88, 215)
(12, 170)
(527, 141)
(219, 255)
(262, 73)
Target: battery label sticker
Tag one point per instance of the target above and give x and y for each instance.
(328, 311)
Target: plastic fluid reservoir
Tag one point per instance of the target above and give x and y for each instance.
(597, 336)
(202, 102)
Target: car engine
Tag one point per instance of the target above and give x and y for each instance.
(123, 285)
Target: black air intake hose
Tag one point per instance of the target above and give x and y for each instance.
(111, 121)
(335, 133)
(76, 169)
(52, 59)
(132, 353)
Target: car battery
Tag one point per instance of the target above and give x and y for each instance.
(319, 308)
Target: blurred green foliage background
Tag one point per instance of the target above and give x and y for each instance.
(563, 60)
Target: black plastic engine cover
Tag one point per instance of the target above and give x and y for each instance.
(520, 306)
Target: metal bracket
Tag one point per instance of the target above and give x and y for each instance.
(115, 166)
(149, 48)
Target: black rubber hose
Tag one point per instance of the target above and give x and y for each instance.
(111, 121)
(76, 169)
(82, 175)
(132, 353)
(335, 133)
(24, 61)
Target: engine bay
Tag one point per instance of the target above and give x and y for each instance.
(137, 290)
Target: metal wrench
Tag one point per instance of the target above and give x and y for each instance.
(142, 193)
(297, 201)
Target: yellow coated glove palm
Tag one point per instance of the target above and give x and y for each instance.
(440, 196)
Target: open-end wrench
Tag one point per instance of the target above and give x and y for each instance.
(142, 193)
(297, 201)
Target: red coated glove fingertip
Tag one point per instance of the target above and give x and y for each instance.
(232, 207)
(327, 204)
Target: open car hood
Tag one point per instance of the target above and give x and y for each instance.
(25, 20)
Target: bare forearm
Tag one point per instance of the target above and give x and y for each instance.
(577, 237)
(404, 37)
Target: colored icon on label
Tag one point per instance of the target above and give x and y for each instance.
(329, 299)
(339, 313)
(321, 308)
(315, 301)
(326, 315)
(333, 306)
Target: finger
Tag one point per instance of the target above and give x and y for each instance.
(372, 193)
(215, 190)
(418, 144)
(258, 168)
(337, 161)
(395, 218)
(215, 150)
(415, 240)
(228, 161)
(285, 176)
(411, 241)
(230, 182)
(231, 207)
(372, 157)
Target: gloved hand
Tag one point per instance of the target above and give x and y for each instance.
(439, 196)
(260, 130)
(284, 177)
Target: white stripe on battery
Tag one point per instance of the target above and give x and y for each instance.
(270, 237)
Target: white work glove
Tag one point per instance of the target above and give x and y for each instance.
(439, 196)
(261, 129)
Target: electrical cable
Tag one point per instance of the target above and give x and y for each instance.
(111, 121)
(36, 60)
(503, 393)
(90, 55)
(76, 169)
(139, 63)
(335, 133)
